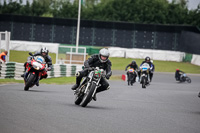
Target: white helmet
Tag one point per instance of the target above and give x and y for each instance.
(104, 52)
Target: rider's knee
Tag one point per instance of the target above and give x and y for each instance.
(77, 74)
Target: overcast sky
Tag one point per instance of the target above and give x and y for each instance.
(192, 4)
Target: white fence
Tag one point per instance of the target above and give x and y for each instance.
(15, 70)
(5, 43)
(142, 53)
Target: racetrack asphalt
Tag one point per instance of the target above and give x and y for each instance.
(165, 106)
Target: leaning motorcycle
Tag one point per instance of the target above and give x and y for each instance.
(185, 78)
(144, 75)
(132, 75)
(34, 69)
(87, 89)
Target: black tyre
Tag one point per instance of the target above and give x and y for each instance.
(29, 81)
(79, 97)
(78, 100)
(188, 80)
(88, 96)
(143, 82)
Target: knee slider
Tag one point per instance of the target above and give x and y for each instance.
(77, 74)
(108, 87)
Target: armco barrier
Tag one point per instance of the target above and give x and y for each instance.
(14, 70)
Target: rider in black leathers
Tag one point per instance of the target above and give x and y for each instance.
(132, 65)
(98, 60)
(152, 68)
(178, 74)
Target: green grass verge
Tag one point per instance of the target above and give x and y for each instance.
(160, 66)
(117, 64)
(59, 80)
(21, 56)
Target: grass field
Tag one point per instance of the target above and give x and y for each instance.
(117, 64)
(160, 66)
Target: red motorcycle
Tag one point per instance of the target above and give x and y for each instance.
(35, 69)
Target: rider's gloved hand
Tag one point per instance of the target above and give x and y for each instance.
(48, 69)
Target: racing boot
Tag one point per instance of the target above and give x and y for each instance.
(78, 80)
(74, 87)
(22, 75)
(37, 82)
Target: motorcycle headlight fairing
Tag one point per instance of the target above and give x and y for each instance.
(37, 65)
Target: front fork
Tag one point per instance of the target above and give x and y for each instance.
(89, 83)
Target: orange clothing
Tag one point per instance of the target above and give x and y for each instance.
(3, 56)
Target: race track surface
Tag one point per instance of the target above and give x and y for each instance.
(163, 107)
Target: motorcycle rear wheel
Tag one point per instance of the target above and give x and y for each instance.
(78, 100)
(79, 97)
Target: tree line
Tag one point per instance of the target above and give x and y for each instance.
(137, 11)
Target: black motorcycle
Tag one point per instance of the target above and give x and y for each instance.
(87, 89)
(131, 76)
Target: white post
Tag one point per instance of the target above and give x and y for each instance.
(0, 42)
(78, 26)
(8, 46)
(57, 54)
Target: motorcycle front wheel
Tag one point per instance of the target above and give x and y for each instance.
(188, 80)
(143, 82)
(29, 81)
(88, 96)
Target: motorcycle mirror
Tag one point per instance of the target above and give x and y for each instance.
(30, 54)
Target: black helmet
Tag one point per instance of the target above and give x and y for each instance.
(104, 52)
(133, 62)
(147, 59)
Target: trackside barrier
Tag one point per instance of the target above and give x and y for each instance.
(15, 70)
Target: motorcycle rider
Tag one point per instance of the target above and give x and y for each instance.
(133, 65)
(152, 67)
(44, 53)
(178, 74)
(98, 60)
(3, 56)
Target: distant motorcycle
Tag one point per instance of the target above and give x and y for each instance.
(144, 75)
(87, 89)
(131, 76)
(35, 68)
(184, 78)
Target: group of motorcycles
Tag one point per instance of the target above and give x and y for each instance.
(88, 87)
(83, 95)
(144, 79)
